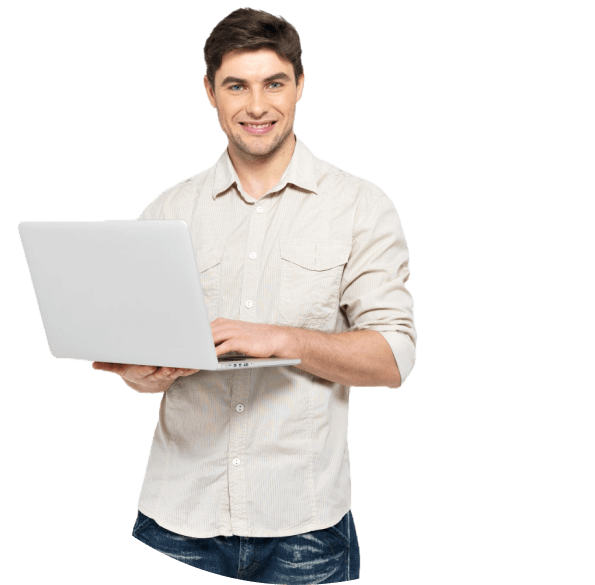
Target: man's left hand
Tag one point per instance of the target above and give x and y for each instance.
(253, 339)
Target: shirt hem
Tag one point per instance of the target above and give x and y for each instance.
(258, 534)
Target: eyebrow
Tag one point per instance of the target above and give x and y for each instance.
(282, 76)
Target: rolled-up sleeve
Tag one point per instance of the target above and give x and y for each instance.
(373, 293)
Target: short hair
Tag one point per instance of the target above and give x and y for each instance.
(250, 30)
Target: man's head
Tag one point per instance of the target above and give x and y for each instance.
(254, 75)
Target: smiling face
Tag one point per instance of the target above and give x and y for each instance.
(253, 88)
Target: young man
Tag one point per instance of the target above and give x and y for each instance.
(248, 475)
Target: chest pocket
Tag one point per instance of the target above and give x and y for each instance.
(310, 281)
(209, 266)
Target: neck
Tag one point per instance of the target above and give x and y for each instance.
(259, 173)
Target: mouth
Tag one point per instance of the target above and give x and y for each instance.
(258, 128)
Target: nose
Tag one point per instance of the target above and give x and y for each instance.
(257, 104)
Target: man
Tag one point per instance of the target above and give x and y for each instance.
(248, 475)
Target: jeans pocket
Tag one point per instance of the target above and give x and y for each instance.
(141, 525)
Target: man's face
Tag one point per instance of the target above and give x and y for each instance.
(252, 87)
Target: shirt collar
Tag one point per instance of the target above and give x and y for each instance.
(299, 171)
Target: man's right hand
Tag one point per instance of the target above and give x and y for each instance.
(151, 379)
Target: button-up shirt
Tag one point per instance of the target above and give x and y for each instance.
(263, 451)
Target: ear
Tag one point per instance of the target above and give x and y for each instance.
(300, 87)
(210, 92)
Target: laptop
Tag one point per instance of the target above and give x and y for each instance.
(125, 291)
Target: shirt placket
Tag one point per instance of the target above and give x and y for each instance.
(240, 392)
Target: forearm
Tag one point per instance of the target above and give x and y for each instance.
(352, 358)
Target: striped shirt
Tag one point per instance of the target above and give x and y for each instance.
(263, 451)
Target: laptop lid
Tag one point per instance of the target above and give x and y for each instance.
(124, 291)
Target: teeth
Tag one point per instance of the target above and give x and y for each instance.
(257, 125)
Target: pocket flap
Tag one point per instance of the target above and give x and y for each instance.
(315, 255)
(208, 257)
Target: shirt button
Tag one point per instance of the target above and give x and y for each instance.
(259, 209)
(240, 407)
(248, 304)
(236, 462)
(252, 255)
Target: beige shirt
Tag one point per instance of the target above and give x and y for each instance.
(263, 451)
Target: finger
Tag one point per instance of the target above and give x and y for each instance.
(183, 372)
(101, 366)
(189, 372)
(159, 372)
(110, 367)
(147, 371)
(163, 373)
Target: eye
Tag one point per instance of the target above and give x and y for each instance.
(272, 83)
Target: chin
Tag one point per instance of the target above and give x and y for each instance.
(258, 148)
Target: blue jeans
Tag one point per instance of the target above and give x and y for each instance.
(329, 555)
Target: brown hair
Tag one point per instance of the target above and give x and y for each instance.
(249, 29)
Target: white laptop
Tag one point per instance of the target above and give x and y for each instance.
(127, 292)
